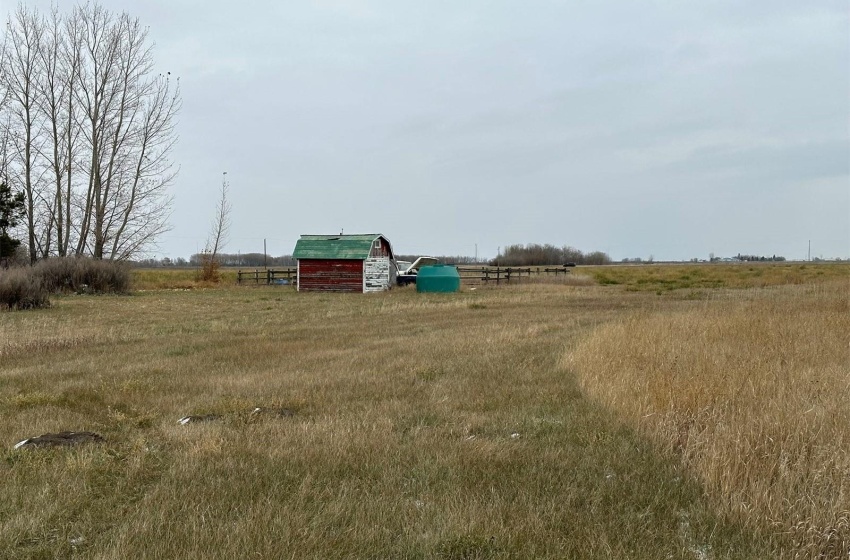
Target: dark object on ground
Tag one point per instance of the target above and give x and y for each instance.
(194, 419)
(569, 264)
(405, 280)
(276, 411)
(65, 439)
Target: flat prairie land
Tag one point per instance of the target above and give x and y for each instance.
(578, 418)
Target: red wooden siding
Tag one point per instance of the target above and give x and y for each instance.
(383, 250)
(330, 275)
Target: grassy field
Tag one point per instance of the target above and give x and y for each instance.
(642, 277)
(701, 277)
(752, 393)
(527, 421)
(179, 278)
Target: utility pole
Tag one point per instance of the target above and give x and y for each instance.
(265, 254)
(810, 250)
(476, 253)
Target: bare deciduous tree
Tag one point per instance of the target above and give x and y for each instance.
(91, 130)
(21, 70)
(219, 231)
(130, 115)
(60, 62)
(221, 222)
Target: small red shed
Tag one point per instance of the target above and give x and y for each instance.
(344, 263)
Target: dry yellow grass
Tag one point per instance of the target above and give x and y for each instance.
(752, 391)
(179, 278)
(402, 443)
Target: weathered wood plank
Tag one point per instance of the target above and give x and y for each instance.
(376, 274)
(330, 275)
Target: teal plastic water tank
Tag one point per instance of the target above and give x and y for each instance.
(438, 278)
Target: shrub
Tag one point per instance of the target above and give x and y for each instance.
(55, 274)
(209, 271)
(21, 289)
(83, 275)
(98, 276)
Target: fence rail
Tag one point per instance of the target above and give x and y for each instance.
(468, 274)
(279, 276)
(497, 275)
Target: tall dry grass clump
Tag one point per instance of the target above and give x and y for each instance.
(209, 270)
(20, 289)
(83, 275)
(753, 394)
(30, 287)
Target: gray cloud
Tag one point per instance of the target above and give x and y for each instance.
(675, 129)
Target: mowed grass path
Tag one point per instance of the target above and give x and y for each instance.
(424, 427)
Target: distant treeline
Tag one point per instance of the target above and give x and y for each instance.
(514, 255)
(224, 259)
(745, 258)
(248, 259)
(259, 260)
(534, 255)
(762, 258)
(447, 259)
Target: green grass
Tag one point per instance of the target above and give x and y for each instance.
(178, 278)
(662, 278)
(425, 426)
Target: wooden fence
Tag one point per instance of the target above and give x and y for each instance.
(468, 274)
(498, 275)
(279, 276)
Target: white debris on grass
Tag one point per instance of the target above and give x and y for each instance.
(193, 419)
(700, 551)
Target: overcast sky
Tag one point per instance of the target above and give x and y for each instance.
(671, 129)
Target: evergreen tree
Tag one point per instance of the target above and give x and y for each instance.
(11, 210)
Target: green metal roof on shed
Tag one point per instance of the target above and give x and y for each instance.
(353, 247)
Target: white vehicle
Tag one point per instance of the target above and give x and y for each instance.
(407, 271)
